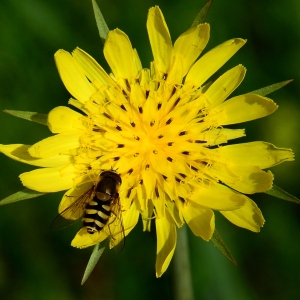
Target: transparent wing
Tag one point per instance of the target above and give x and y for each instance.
(116, 227)
(74, 210)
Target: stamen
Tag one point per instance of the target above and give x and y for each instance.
(160, 136)
(200, 142)
(170, 143)
(107, 115)
(182, 133)
(158, 106)
(169, 121)
(140, 110)
(132, 124)
(185, 152)
(130, 171)
(128, 193)
(118, 128)
(181, 199)
(121, 145)
(116, 158)
(170, 159)
(147, 94)
(156, 192)
(123, 107)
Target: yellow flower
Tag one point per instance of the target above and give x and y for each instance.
(162, 129)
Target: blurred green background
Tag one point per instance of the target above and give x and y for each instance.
(36, 263)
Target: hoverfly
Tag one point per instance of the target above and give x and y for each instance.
(99, 207)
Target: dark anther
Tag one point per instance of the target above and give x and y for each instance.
(130, 171)
(164, 177)
(200, 142)
(182, 175)
(181, 199)
(170, 159)
(177, 179)
(121, 145)
(156, 192)
(185, 152)
(128, 193)
(182, 133)
(140, 109)
(107, 115)
(147, 167)
(170, 143)
(152, 122)
(123, 107)
(132, 124)
(194, 168)
(116, 158)
(160, 136)
(176, 102)
(147, 94)
(137, 138)
(158, 106)
(169, 121)
(118, 128)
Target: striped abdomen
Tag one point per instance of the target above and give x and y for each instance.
(97, 213)
(98, 210)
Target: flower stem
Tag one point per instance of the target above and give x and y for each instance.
(183, 288)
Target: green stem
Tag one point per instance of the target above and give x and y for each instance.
(183, 288)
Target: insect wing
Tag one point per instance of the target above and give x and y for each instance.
(116, 227)
(74, 211)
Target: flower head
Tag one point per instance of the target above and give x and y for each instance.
(162, 130)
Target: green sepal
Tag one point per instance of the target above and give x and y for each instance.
(29, 115)
(201, 17)
(101, 24)
(281, 194)
(218, 242)
(270, 88)
(96, 254)
(21, 195)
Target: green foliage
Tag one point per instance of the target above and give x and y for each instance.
(28, 115)
(21, 195)
(281, 194)
(101, 24)
(270, 88)
(217, 240)
(95, 256)
(201, 17)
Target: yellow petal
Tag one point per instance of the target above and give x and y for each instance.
(245, 179)
(73, 76)
(225, 85)
(201, 220)
(47, 180)
(160, 39)
(56, 144)
(83, 239)
(93, 71)
(130, 218)
(261, 154)
(242, 108)
(217, 197)
(212, 61)
(62, 119)
(249, 216)
(190, 44)
(20, 153)
(166, 243)
(120, 55)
